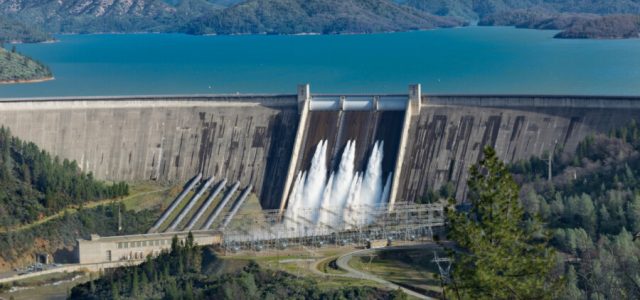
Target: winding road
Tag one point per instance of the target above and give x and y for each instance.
(343, 263)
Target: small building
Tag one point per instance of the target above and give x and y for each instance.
(136, 247)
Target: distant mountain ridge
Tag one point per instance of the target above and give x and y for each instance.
(20, 17)
(575, 18)
(571, 25)
(317, 16)
(477, 9)
(220, 16)
(89, 16)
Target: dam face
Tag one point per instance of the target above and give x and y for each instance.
(265, 141)
(448, 135)
(246, 139)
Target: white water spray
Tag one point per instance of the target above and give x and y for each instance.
(343, 201)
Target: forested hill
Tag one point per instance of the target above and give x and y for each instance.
(220, 16)
(14, 31)
(33, 184)
(304, 16)
(580, 26)
(317, 16)
(592, 205)
(91, 16)
(15, 67)
(574, 18)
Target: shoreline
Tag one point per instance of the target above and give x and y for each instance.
(468, 25)
(23, 81)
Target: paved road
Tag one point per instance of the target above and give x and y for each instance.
(343, 263)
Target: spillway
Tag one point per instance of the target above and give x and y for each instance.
(347, 155)
(346, 199)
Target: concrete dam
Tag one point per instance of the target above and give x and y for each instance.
(265, 141)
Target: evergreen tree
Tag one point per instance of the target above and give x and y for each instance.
(572, 292)
(115, 291)
(633, 215)
(135, 283)
(500, 258)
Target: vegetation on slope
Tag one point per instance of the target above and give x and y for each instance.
(96, 16)
(571, 25)
(221, 17)
(192, 272)
(607, 27)
(15, 67)
(297, 16)
(34, 185)
(62, 233)
(504, 253)
(316, 16)
(481, 8)
(592, 205)
(591, 214)
(207, 16)
(576, 19)
(16, 32)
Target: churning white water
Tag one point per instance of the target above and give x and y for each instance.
(344, 200)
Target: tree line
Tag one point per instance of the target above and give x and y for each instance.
(189, 271)
(33, 184)
(574, 237)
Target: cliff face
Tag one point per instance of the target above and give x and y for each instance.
(447, 138)
(249, 139)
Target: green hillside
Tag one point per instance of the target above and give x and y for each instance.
(34, 185)
(575, 19)
(17, 32)
(15, 67)
(317, 16)
(592, 206)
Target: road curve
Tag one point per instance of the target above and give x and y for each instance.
(343, 263)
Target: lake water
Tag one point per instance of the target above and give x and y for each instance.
(461, 60)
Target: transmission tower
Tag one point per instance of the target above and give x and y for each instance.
(444, 267)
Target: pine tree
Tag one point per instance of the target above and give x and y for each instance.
(115, 291)
(633, 215)
(135, 283)
(572, 291)
(499, 257)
